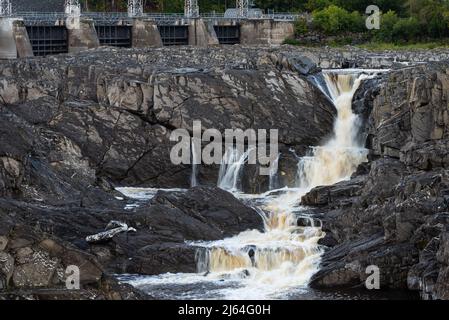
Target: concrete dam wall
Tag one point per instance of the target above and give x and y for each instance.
(20, 39)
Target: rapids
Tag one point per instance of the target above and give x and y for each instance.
(280, 260)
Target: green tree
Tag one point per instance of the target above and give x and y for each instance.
(361, 5)
(334, 20)
(301, 26)
(387, 23)
(280, 5)
(432, 18)
(431, 15)
(313, 5)
(406, 29)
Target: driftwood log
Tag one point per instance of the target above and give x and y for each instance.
(112, 229)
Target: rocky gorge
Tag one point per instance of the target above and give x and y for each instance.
(393, 212)
(75, 127)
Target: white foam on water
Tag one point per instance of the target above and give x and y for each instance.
(339, 157)
(144, 194)
(283, 257)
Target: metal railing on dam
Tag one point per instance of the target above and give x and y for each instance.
(106, 18)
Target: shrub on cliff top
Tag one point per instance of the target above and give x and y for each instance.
(387, 22)
(407, 29)
(334, 20)
(301, 26)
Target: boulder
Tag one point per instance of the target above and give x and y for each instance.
(34, 269)
(6, 269)
(3, 242)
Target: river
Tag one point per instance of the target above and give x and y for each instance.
(278, 262)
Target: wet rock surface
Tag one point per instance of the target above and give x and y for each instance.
(109, 113)
(74, 127)
(353, 57)
(43, 240)
(394, 212)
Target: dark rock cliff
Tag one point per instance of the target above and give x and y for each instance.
(73, 127)
(109, 114)
(394, 213)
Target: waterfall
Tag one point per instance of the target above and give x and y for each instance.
(284, 256)
(320, 83)
(231, 167)
(267, 263)
(286, 253)
(339, 157)
(195, 162)
(274, 179)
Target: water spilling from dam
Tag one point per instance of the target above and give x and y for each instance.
(281, 259)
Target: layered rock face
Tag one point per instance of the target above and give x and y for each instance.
(394, 212)
(74, 127)
(111, 112)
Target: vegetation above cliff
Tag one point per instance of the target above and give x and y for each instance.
(402, 21)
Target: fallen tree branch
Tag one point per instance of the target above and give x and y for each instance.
(112, 229)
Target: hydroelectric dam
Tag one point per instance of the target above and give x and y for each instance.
(66, 29)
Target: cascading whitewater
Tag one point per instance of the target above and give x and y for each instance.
(195, 161)
(274, 181)
(282, 241)
(339, 157)
(231, 169)
(265, 263)
(285, 254)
